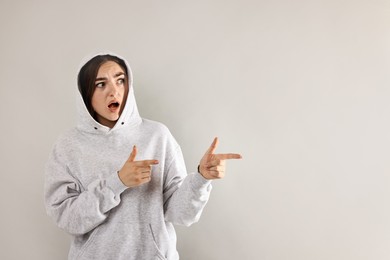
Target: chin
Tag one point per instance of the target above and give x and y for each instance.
(113, 117)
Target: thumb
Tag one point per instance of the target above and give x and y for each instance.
(133, 154)
(212, 147)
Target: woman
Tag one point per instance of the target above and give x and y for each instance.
(117, 182)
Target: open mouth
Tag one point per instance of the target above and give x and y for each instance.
(113, 105)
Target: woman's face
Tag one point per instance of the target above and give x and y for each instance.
(108, 99)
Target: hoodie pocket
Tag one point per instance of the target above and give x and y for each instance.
(153, 238)
(122, 241)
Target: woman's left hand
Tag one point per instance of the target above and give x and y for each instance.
(212, 166)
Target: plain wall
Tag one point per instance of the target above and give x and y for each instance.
(299, 88)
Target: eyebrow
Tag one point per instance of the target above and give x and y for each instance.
(115, 76)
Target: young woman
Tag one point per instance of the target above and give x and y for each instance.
(117, 182)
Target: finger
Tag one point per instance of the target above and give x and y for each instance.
(218, 168)
(227, 156)
(215, 162)
(213, 146)
(142, 170)
(133, 154)
(145, 163)
(145, 175)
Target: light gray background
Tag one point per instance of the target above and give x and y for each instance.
(299, 88)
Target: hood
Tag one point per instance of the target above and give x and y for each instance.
(129, 117)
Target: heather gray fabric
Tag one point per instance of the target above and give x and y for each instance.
(86, 198)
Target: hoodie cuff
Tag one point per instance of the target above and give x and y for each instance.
(115, 184)
(200, 183)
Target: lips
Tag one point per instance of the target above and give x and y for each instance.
(113, 105)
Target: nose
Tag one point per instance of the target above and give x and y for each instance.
(113, 89)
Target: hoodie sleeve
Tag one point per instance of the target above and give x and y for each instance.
(185, 196)
(74, 208)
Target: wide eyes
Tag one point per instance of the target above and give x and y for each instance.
(102, 84)
(121, 81)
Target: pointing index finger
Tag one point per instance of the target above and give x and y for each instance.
(146, 162)
(227, 156)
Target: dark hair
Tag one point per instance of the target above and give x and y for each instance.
(87, 76)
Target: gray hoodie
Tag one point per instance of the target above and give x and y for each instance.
(107, 220)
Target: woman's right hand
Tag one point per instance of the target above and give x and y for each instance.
(135, 173)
